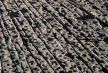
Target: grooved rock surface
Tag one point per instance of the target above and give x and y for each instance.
(53, 36)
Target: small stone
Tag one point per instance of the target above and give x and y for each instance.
(91, 15)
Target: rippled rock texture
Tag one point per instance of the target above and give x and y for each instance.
(53, 36)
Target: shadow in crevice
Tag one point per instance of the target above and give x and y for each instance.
(86, 17)
(13, 14)
(24, 10)
(82, 18)
(1, 11)
(106, 5)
